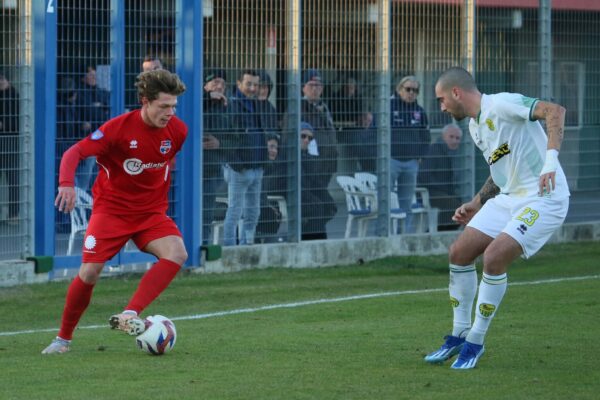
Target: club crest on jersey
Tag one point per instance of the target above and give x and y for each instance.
(490, 124)
(498, 154)
(96, 135)
(165, 146)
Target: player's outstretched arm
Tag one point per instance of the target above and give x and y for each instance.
(554, 115)
(465, 212)
(65, 199)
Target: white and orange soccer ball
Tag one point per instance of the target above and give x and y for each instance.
(159, 337)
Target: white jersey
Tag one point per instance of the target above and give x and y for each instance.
(514, 146)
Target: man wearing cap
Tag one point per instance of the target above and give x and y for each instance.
(315, 112)
(410, 142)
(317, 204)
(217, 126)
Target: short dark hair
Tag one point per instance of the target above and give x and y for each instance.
(457, 76)
(150, 83)
(247, 71)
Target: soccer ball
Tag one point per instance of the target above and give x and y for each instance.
(159, 337)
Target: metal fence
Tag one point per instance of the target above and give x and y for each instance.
(340, 79)
(16, 107)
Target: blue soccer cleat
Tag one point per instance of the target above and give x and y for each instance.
(469, 355)
(451, 347)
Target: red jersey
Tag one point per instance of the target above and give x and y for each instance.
(134, 162)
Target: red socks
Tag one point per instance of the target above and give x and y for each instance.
(77, 300)
(150, 287)
(152, 284)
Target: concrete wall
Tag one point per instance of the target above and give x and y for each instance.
(306, 255)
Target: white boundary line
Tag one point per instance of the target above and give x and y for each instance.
(312, 302)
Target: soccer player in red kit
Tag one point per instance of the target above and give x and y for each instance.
(135, 152)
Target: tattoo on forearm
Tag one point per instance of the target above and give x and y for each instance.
(488, 191)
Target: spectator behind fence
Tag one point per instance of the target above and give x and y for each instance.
(9, 145)
(323, 146)
(437, 174)
(363, 143)
(410, 140)
(245, 162)
(217, 129)
(136, 150)
(94, 104)
(272, 184)
(318, 207)
(346, 104)
(151, 63)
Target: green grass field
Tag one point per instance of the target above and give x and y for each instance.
(349, 332)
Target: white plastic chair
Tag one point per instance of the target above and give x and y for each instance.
(79, 218)
(424, 215)
(361, 203)
(397, 215)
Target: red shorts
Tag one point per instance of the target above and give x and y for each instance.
(106, 234)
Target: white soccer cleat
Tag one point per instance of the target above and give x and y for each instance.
(128, 323)
(58, 346)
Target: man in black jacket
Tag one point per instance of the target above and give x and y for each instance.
(217, 126)
(246, 160)
(322, 165)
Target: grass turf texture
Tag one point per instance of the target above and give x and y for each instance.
(542, 344)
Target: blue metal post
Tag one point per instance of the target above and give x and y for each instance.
(44, 70)
(117, 57)
(189, 163)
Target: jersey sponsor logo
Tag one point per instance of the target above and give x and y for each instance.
(487, 310)
(133, 144)
(498, 154)
(134, 166)
(490, 124)
(97, 135)
(165, 146)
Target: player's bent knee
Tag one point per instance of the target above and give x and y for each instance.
(458, 255)
(178, 256)
(90, 272)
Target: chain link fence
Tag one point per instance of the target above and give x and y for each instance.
(298, 94)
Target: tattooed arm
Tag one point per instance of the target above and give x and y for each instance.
(489, 190)
(464, 213)
(554, 115)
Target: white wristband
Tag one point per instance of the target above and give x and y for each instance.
(551, 163)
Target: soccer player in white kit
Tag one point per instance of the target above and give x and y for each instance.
(516, 211)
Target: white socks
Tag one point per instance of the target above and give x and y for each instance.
(462, 288)
(491, 292)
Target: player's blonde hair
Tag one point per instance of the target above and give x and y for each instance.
(150, 83)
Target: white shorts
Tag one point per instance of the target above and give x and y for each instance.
(531, 221)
